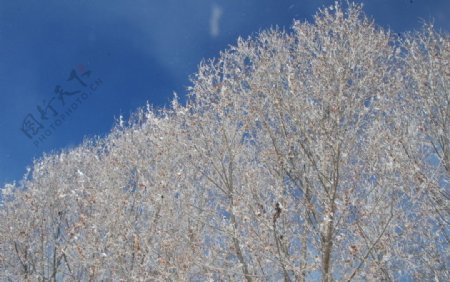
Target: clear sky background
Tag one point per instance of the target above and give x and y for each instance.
(139, 50)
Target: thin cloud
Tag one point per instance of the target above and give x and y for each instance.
(216, 14)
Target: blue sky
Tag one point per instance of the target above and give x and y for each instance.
(129, 52)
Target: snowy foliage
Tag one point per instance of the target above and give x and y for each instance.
(320, 154)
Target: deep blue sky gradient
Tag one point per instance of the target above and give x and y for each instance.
(141, 50)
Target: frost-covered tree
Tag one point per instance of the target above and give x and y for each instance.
(319, 154)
